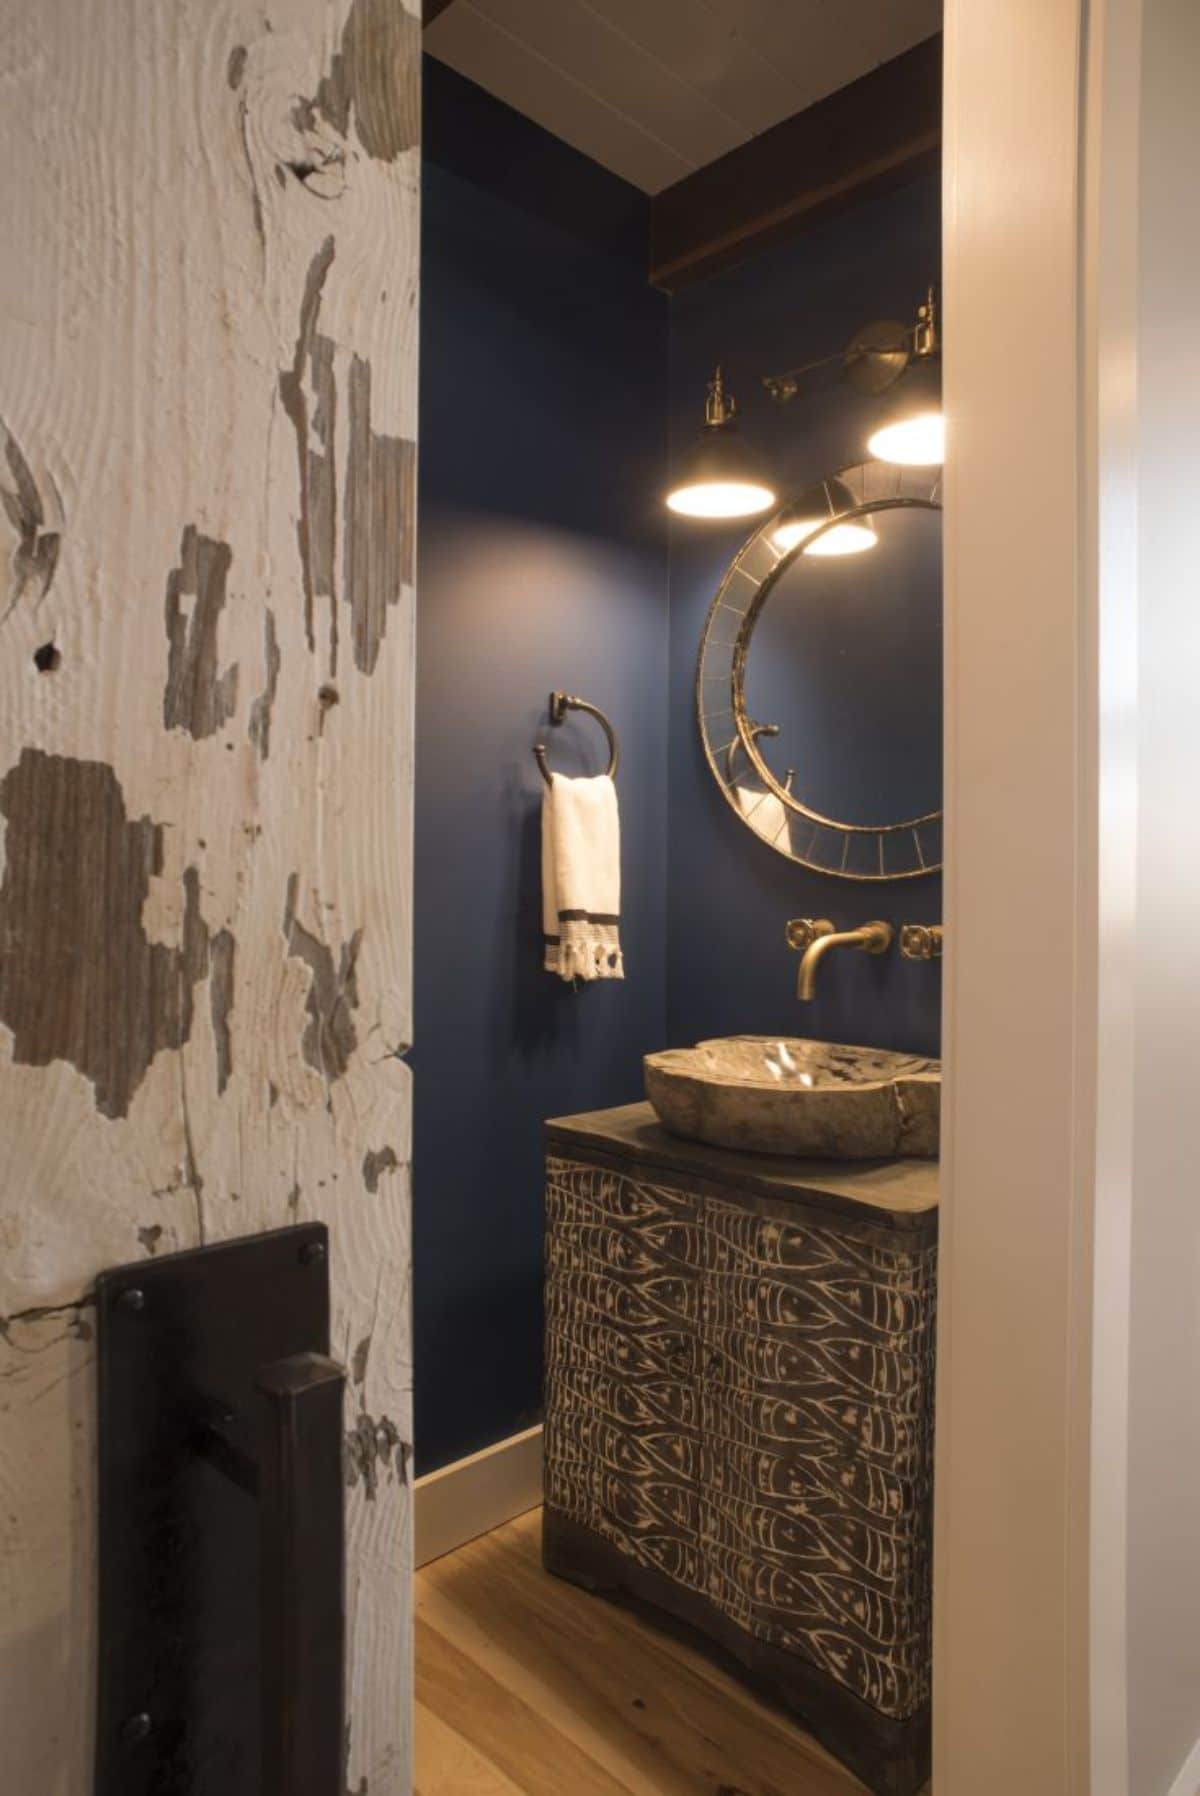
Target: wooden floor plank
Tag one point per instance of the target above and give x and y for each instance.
(522, 1744)
(448, 1765)
(652, 1717)
(525, 1536)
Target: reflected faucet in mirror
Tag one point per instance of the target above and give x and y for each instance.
(753, 732)
(815, 937)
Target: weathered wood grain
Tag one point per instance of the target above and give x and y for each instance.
(207, 461)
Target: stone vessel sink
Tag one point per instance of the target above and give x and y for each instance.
(811, 1098)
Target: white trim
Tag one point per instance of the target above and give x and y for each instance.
(1012, 1478)
(1109, 701)
(475, 1495)
(1188, 1781)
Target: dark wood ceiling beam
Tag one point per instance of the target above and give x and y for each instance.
(862, 140)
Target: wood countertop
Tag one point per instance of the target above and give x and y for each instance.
(902, 1193)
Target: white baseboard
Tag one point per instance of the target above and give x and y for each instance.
(1188, 1781)
(475, 1495)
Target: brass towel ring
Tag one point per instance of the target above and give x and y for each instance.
(560, 704)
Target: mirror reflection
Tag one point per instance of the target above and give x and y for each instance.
(819, 687)
(845, 661)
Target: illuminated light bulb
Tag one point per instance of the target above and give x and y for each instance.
(844, 539)
(721, 499)
(816, 511)
(918, 441)
(785, 536)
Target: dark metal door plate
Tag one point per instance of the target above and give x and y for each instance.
(196, 1416)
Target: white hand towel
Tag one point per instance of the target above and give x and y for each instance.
(581, 878)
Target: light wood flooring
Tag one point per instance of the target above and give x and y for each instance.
(529, 1687)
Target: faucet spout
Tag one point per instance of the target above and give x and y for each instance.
(872, 938)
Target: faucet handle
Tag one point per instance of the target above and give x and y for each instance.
(802, 932)
(921, 941)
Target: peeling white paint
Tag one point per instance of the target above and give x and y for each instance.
(149, 295)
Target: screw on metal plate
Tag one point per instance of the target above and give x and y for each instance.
(312, 1253)
(132, 1299)
(138, 1727)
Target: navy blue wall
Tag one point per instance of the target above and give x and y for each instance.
(542, 564)
(729, 895)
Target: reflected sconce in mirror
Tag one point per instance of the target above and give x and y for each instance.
(889, 357)
(721, 476)
(811, 515)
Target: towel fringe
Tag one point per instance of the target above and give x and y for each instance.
(585, 961)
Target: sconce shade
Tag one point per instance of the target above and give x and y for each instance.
(816, 508)
(913, 435)
(721, 477)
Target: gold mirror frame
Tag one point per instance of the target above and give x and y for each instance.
(770, 809)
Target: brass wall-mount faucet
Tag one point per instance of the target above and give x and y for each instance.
(921, 941)
(815, 937)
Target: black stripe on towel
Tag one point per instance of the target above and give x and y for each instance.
(586, 916)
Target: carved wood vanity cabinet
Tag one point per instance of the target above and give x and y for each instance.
(739, 1414)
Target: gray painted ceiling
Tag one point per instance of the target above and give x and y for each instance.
(653, 89)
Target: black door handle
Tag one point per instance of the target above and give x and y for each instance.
(301, 1558)
(296, 1477)
(221, 1641)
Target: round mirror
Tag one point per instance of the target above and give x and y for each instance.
(820, 680)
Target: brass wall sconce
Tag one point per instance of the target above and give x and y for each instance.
(880, 357)
(721, 476)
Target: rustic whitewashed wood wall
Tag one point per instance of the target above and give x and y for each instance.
(208, 287)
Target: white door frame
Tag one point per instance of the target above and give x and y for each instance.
(1042, 110)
